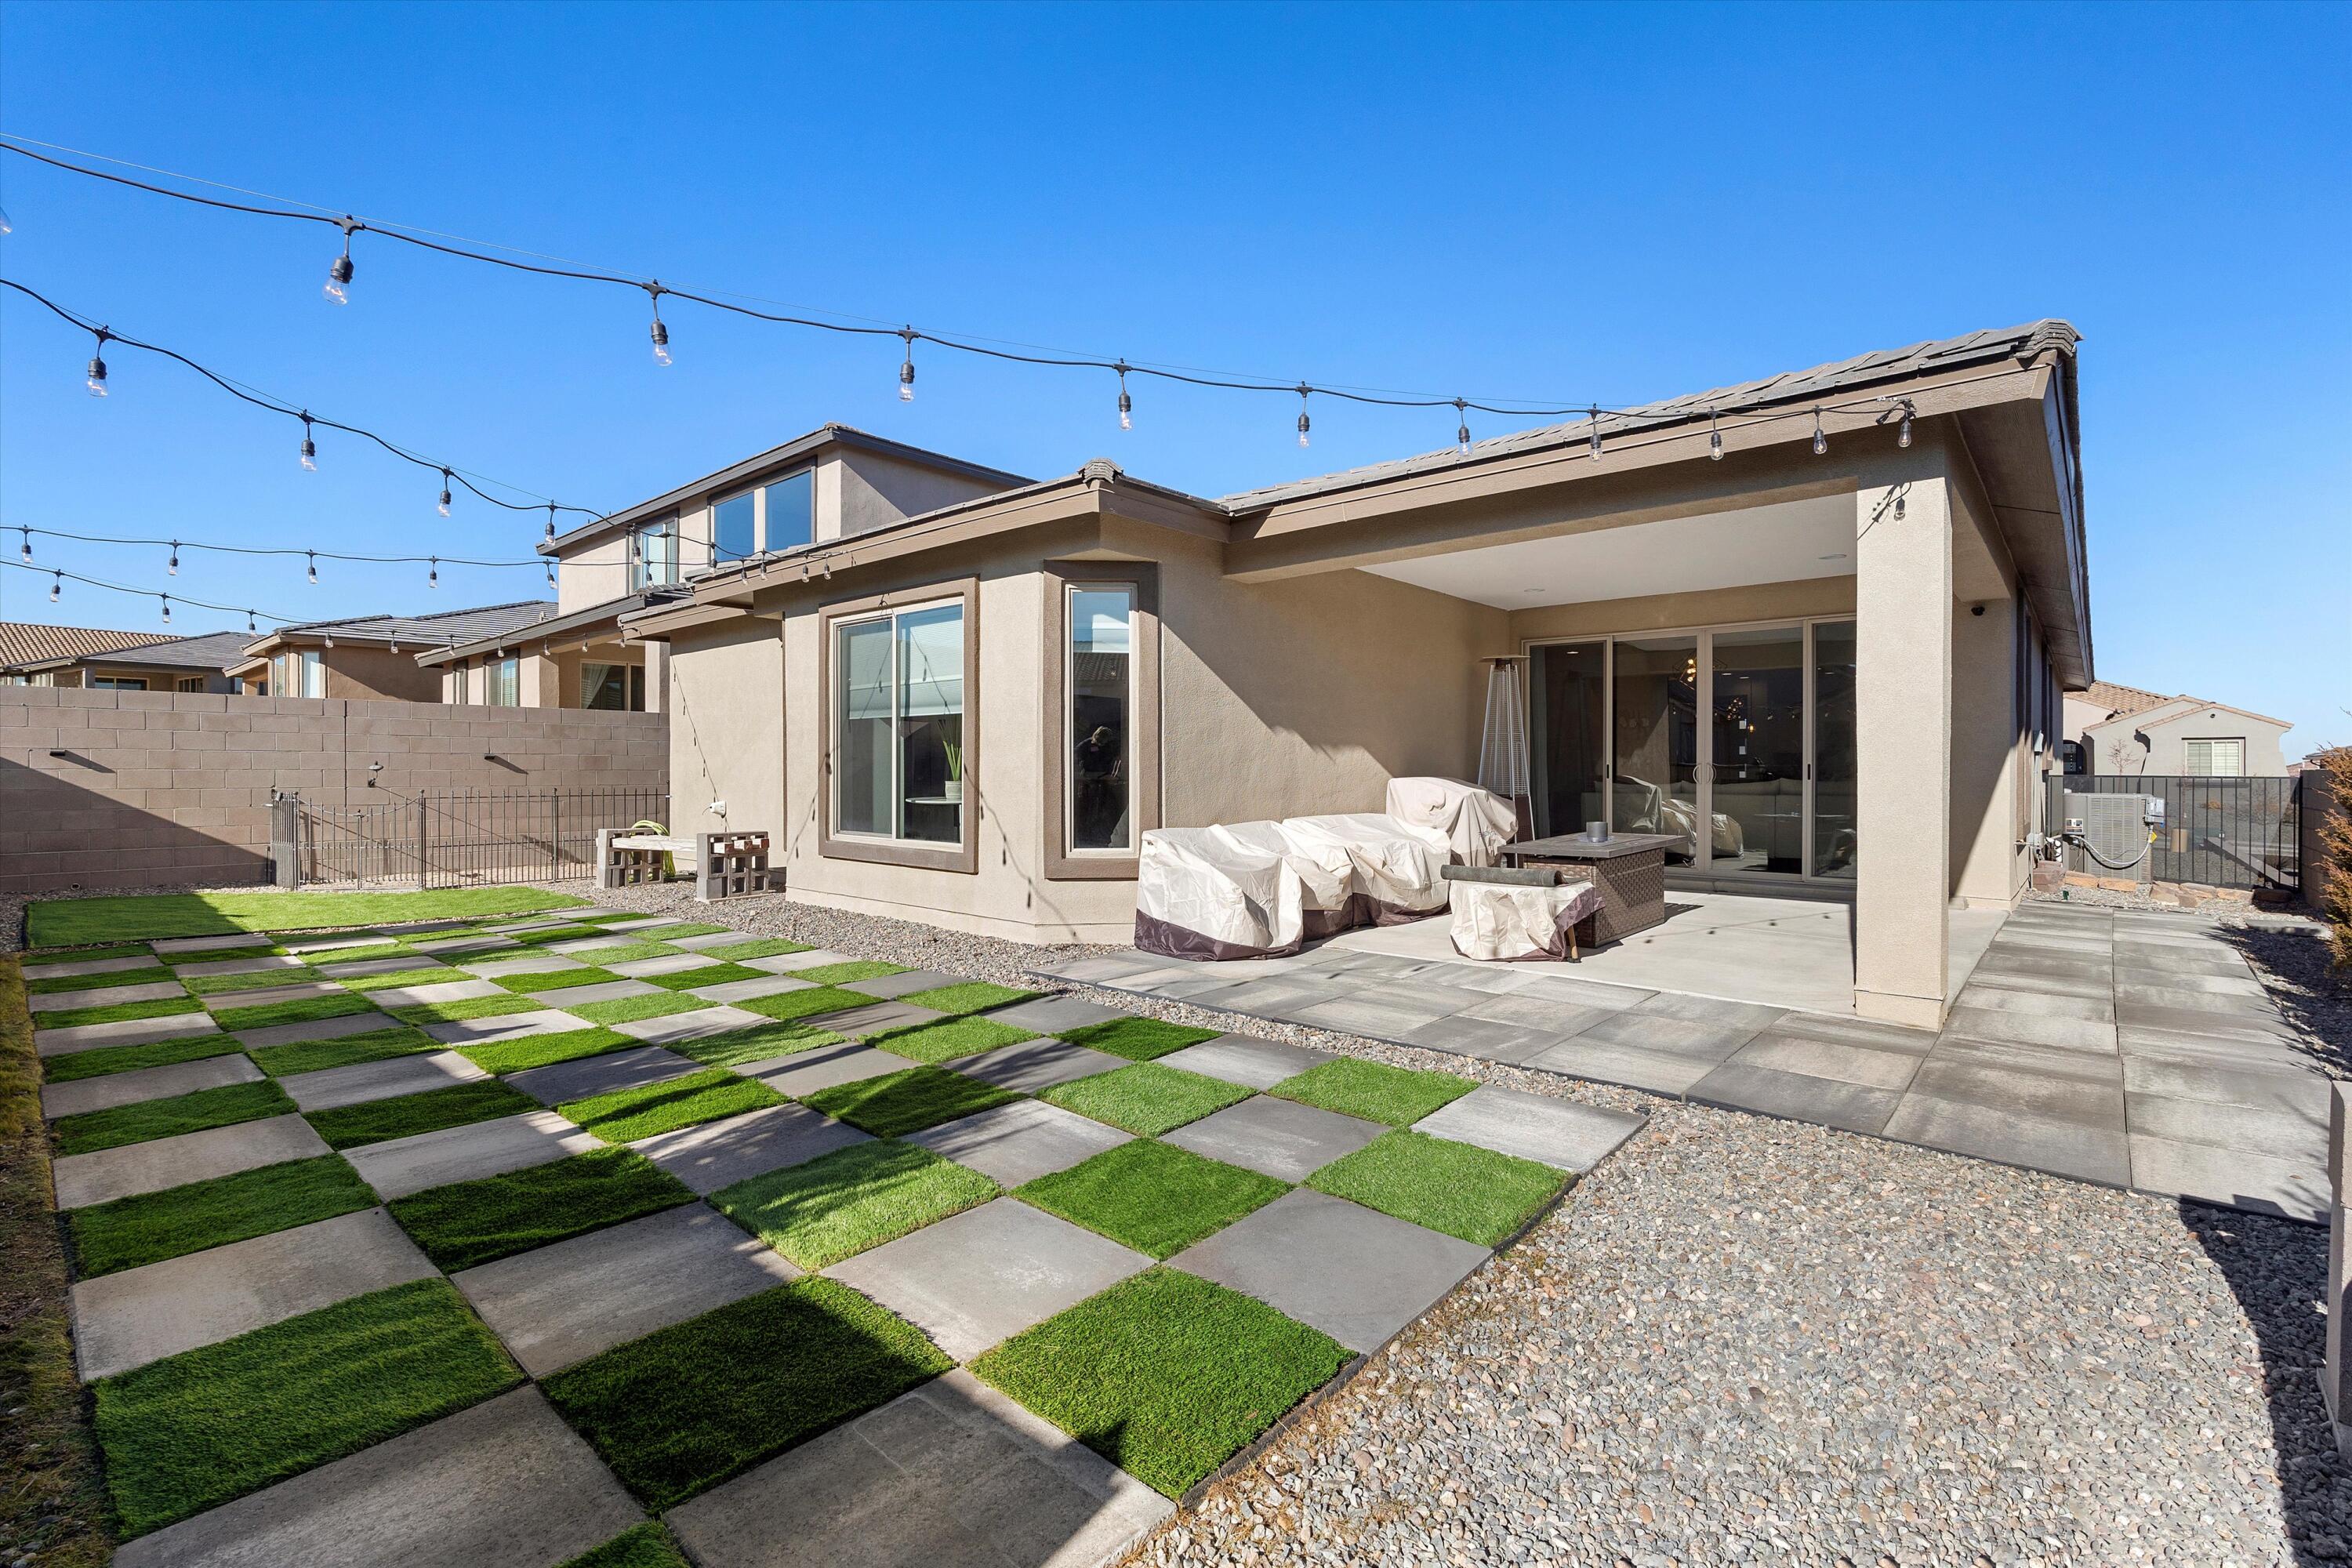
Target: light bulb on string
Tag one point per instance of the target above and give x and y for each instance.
(1126, 404)
(6, 227)
(906, 366)
(660, 332)
(172, 565)
(433, 577)
(338, 289)
(1903, 432)
(251, 626)
(331, 639)
(551, 519)
(57, 582)
(1820, 442)
(550, 574)
(1303, 390)
(1462, 433)
(95, 380)
(309, 447)
(1594, 419)
(444, 508)
(167, 608)
(28, 551)
(314, 566)
(1714, 437)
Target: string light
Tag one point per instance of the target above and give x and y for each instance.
(444, 508)
(433, 577)
(1903, 434)
(172, 566)
(331, 639)
(1303, 390)
(551, 521)
(167, 608)
(58, 575)
(1593, 417)
(314, 566)
(95, 380)
(660, 332)
(338, 289)
(550, 573)
(1126, 404)
(1820, 442)
(309, 447)
(1714, 437)
(906, 366)
(54, 585)
(28, 551)
(6, 227)
(250, 626)
(1462, 432)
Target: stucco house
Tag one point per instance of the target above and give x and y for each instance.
(123, 661)
(2127, 732)
(376, 656)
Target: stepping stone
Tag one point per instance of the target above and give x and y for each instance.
(1028, 1065)
(361, 968)
(1660, 1072)
(951, 1473)
(1487, 1040)
(1275, 1138)
(1021, 1142)
(601, 1074)
(559, 1305)
(665, 964)
(977, 1279)
(328, 943)
(363, 1081)
(440, 991)
(400, 1166)
(736, 1148)
(1739, 1085)
(178, 944)
(73, 968)
(1052, 1015)
(712, 939)
(879, 1018)
(1098, 971)
(160, 1162)
(645, 922)
(671, 1027)
(122, 1032)
(105, 996)
(233, 965)
(319, 1029)
(2233, 1178)
(421, 1497)
(2013, 1137)
(805, 1072)
(891, 986)
(1556, 1132)
(502, 1026)
(581, 996)
(270, 996)
(787, 962)
(1246, 1059)
(146, 1083)
(445, 947)
(1357, 1275)
(534, 962)
(127, 1319)
(744, 990)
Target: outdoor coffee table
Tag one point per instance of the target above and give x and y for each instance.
(1630, 869)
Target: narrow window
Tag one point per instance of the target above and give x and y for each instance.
(503, 683)
(1100, 785)
(734, 530)
(897, 703)
(653, 555)
(305, 676)
(192, 683)
(791, 504)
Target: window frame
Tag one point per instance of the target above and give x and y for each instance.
(832, 843)
(492, 670)
(1061, 578)
(2209, 741)
(118, 683)
(189, 683)
(757, 496)
(638, 559)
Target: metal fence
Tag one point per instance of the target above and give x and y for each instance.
(452, 838)
(2223, 833)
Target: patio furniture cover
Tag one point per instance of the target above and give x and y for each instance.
(1325, 872)
(1398, 869)
(1475, 822)
(1502, 920)
(1200, 897)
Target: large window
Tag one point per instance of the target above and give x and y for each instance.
(502, 683)
(619, 687)
(119, 683)
(2216, 759)
(735, 528)
(897, 708)
(653, 555)
(298, 673)
(771, 516)
(1099, 788)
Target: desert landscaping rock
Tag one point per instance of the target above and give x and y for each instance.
(102, 1093)
(161, 1162)
(400, 1166)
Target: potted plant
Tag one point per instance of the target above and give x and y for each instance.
(953, 789)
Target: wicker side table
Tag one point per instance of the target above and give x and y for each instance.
(1630, 869)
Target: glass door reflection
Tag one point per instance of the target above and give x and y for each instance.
(1655, 741)
(1567, 698)
(1756, 696)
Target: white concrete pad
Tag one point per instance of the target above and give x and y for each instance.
(105, 996)
(666, 964)
(437, 992)
(69, 968)
(363, 1081)
(674, 1026)
(1556, 1132)
(502, 1026)
(122, 1032)
(160, 1162)
(143, 1084)
(400, 1166)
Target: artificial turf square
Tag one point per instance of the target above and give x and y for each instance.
(308, 1010)
(541, 1050)
(808, 1003)
(1147, 1098)
(57, 984)
(624, 952)
(685, 1407)
(853, 968)
(708, 974)
(314, 1055)
(841, 1203)
(967, 997)
(251, 980)
(151, 1226)
(758, 947)
(907, 1102)
(673, 930)
(645, 1545)
(625, 1115)
(1166, 1375)
(122, 1124)
(396, 979)
(954, 1037)
(123, 1012)
(629, 1009)
(467, 1223)
(192, 1431)
(1154, 1197)
(755, 1043)
(107, 1060)
(1476, 1194)
(460, 1011)
(1137, 1039)
(375, 1120)
(536, 981)
(1374, 1090)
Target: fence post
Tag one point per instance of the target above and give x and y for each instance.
(423, 865)
(555, 836)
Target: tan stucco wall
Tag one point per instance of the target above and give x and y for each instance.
(726, 732)
(868, 490)
(360, 673)
(2155, 744)
(593, 573)
(1803, 599)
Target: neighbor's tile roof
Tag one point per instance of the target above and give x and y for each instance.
(2119, 699)
(1801, 385)
(214, 650)
(26, 642)
(459, 626)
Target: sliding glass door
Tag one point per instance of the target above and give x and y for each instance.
(1655, 730)
(1568, 711)
(1757, 766)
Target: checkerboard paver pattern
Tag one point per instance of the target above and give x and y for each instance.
(969, 1279)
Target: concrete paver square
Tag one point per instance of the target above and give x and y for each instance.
(423, 1498)
(1992, 996)
(579, 1079)
(711, 939)
(734, 1149)
(662, 964)
(2013, 1137)
(174, 945)
(1357, 1275)
(1277, 1137)
(162, 990)
(2103, 1068)
(1246, 1059)
(537, 961)
(2030, 1029)
(1543, 1014)
(400, 1166)
(1838, 1061)
(744, 990)
(502, 1026)
(879, 1018)
(821, 1066)
(363, 1081)
(2280, 1134)
(1710, 1010)
(69, 968)
(334, 1028)
(559, 1305)
(2094, 1103)
(2265, 1025)
(1557, 1133)
(2236, 1178)
(122, 1032)
(1028, 1065)
(437, 992)
(300, 990)
(674, 1026)
(135, 1088)
(361, 968)
(603, 991)
(127, 1319)
(1546, 984)
(1489, 1041)
(1742, 1085)
(951, 1474)
(445, 947)
(979, 1278)
(2294, 1091)
(887, 987)
(1691, 1039)
(1021, 1142)
(788, 963)
(149, 1167)
(1052, 1015)
(1656, 1072)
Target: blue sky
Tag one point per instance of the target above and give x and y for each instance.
(1575, 203)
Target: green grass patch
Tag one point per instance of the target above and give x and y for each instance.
(1154, 1197)
(55, 922)
(315, 1056)
(626, 953)
(525, 1051)
(757, 947)
(1165, 1374)
(708, 974)
(532, 984)
(105, 1059)
(1137, 1039)
(1458, 1188)
(628, 1009)
(251, 980)
(756, 1043)
(123, 1012)
(968, 996)
(305, 1010)
(376, 1121)
(151, 1226)
(58, 984)
(438, 975)
(192, 1431)
(673, 930)
(808, 1003)
(842, 1204)
(40, 956)
(645, 1545)
(907, 1102)
(945, 1041)
(685, 1408)
(1374, 1090)
(625, 1115)
(457, 1012)
(1147, 1098)
(853, 968)
(467, 1223)
(152, 1118)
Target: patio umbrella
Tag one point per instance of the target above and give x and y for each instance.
(1503, 747)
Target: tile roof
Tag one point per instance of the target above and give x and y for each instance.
(445, 626)
(29, 642)
(214, 650)
(2119, 699)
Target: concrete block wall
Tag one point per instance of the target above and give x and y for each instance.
(121, 789)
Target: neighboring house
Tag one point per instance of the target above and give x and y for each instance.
(2124, 731)
(137, 663)
(1825, 654)
(375, 656)
(29, 643)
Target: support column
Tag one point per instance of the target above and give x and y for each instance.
(1984, 749)
(1903, 743)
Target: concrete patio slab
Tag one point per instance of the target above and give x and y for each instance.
(1357, 1275)
(2013, 1137)
(2288, 1091)
(171, 946)
(1052, 1015)
(1518, 1010)
(604, 991)
(2227, 1025)
(711, 939)
(888, 987)
(65, 968)
(1277, 1137)
(1021, 1142)
(502, 1026)
(556, 1306)
(1715, 1010)
(438, 992)
(2280, 1134)
(745, 990)
(1028, 1065)
(805, 1072)
(1246, 1059)
(671, 1027)
(1738, 1084)
(1837, 1061)
(334, 1028)
(1386, 1012)
(786, 962)
(879, 1019)
(2095, 988)
(361, 968)
(951, 1474)
(448, 947)
(2233, 1178)
(2087, 1102)
(162, 990)
(666, 964)
(364, 1081)
(1556, 1132)
(1696, 1039)
(1627, 1066)
(977, 1279)
(577, 1079)
(536, 960)
(420, 1498)
(122, 1032)
(641, 922)
(734, 1149)
(270, 996)
(1489, 1041)
(160, 1162)
(404, 1165)
(83, 1095)
(1985, 995)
